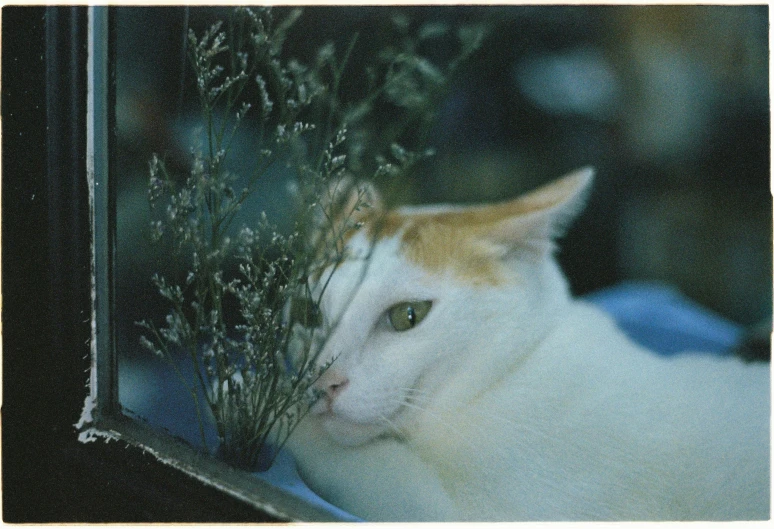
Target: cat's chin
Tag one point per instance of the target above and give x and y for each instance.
(348, 433)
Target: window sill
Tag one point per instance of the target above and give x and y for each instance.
(240, 484)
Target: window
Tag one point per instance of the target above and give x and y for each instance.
(548, 93)
(113, 409)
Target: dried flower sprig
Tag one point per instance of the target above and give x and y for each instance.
(234, 314)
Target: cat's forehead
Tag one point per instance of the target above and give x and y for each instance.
(440, 240)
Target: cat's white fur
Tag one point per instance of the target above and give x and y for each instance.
(513, 401)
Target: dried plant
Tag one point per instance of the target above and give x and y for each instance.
(230, 313)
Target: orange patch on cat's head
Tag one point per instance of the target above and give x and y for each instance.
(470, 242)
(439, 243)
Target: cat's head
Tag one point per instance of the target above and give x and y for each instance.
(432, 304)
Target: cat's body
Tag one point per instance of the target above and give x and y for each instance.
(507, 399)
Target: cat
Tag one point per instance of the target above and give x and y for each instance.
(467, 384)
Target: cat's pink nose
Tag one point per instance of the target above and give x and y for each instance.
(334, 389)
(332, 383)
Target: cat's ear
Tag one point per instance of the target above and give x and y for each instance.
(536, 219)
(343, 204)
(347, 199)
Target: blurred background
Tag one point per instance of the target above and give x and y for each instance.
(669, 103)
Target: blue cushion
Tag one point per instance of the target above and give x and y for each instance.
(660, 318)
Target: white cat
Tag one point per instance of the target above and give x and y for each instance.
(468, 385)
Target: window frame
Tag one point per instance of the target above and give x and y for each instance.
(102, 417)
(48, 476)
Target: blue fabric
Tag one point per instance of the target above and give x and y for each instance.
(660, 318)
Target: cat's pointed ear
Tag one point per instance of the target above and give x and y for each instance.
(346, 198)
(539, 217)
(364, 200)
(342, 205)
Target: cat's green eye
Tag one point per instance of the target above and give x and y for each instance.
(407, 315)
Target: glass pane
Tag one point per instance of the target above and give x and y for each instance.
(669, 104)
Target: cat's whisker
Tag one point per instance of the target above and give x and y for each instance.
(391, 424)
(409, 388)
(416, 406)
(420, 397)
(414, 393)
(406, 403)
(436, 414)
